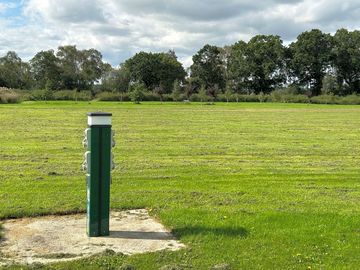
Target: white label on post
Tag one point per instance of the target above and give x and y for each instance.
(95, 120)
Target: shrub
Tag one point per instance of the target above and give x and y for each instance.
(262, 97)
(248, 98)
(288, 95)
(180, 98)
(226, 98)
(83, 96)
(203, 94)
(183, 97)
(126, 97)
(41, 94)
(137, 92)
(298, 99)
(278, 95)
(150, 96)
(64, 95)
(9, 96)
(176, 91)
(330, 85)
(24, 94)
(294, 90)
(326, 99)
(221, 98)
(194, 98)
(108, 96)
(228, 91)
(168, 97)
(71, 95)
(351, 99)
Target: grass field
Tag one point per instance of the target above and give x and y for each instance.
(251, 186)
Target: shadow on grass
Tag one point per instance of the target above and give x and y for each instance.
(183, 231)
(140, 235)
(240, 232)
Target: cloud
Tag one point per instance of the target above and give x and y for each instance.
(6, 6)
(66, 11)
(119, 29)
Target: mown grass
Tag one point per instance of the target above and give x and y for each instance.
(251, 186)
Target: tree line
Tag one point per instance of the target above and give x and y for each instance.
(316, 63)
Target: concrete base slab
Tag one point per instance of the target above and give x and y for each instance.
(61, 238)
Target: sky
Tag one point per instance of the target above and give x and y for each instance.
(121, 28)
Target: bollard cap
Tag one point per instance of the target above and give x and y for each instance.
(99, 119)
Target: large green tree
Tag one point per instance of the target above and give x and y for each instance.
(346, 60)
(45, 70)
(155, 69)
(257, 66)
(116, 79)
(80, 69)
(14, 73)
(311, 55)
(69, 60)
(238, 71)
(266, 62)
(170, 70)
(208, 66)
(91, 68)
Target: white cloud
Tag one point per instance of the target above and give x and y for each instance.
(121, 28)
(6, 6)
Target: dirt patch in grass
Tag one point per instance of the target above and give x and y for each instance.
(61, 238)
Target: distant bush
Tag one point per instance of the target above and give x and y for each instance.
(330, 85)
(108, 96)
(24, 94)
(41, 94)
(299, 99)
(72, 95)
(201, 97)
(288, 95)
(44, 94)
(288, 98)
(225, 98)
(113, 96)
(194, 98)
(83, 96)
(9, 96)
(351, 99)
(326, 99)
(168, 97)
(150, 96)
(183, 97)
(221, 98)
(277, 96)
(248, 98)
(262, 97)
(137, 92)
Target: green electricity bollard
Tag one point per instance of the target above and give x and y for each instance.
(99, 139)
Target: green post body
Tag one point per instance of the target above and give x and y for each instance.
(99, 142)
